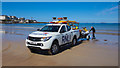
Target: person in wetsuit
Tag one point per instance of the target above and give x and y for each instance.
(93, 32)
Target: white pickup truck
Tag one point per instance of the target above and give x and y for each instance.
(51, 36)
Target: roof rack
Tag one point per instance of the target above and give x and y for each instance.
(62, 21)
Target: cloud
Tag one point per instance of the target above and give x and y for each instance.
(108, 11)
(113, 8)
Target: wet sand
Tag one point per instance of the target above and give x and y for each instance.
(100, 52)
(87, 53)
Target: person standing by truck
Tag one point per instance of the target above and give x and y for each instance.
(93, 32)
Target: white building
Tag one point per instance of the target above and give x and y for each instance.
(34, 21)
(21, 20)
(5, 19)
(27, 21)
(14, 19)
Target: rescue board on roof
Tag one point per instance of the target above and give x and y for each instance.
(62, 21)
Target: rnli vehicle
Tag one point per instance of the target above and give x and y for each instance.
(52, 36)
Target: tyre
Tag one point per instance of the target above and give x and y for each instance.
(88, 37)
(74, 41)
(32, 51)
(54, 48)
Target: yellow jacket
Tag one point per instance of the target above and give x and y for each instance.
(85, 29)
(76, 27)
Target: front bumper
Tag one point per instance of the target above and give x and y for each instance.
(39, 44)
(38, 50)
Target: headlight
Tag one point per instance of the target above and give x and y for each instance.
(45, 38)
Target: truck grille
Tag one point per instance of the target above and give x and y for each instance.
(38, 44)
(34, 38)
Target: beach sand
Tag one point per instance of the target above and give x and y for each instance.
(100, 52)
(87, 53)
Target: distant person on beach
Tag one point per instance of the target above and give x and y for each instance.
(93, 32)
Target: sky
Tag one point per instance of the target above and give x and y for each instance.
(83, 12)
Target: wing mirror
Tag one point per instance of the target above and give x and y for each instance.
(62, 31)
(38, 29)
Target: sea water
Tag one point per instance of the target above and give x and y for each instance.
(21, 31)
(98, 26)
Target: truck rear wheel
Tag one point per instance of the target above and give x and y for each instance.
(74, 41)
(54, 48)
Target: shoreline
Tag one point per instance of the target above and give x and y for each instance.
(104, 33)
(25, 23)
(108, 33)
(48, 22)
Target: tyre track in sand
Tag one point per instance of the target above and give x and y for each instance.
(9, 46)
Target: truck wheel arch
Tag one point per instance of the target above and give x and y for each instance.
(74, 40)
(52, 51)
(75, 36)
(56, 41)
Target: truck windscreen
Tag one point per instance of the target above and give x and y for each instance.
(50, 28)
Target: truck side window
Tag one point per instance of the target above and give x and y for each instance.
(68, 28)
(63, 29)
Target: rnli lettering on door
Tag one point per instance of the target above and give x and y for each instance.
(66, 38)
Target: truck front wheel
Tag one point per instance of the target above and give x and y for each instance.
(54, 48)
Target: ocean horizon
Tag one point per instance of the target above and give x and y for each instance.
(98, 26)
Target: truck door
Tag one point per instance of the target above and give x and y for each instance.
(69, 33)
(63, 33)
